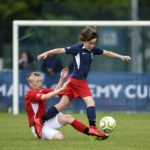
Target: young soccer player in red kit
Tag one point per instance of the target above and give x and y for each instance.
(35, 101)
(83, 54)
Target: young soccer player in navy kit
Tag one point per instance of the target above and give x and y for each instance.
(78, 88)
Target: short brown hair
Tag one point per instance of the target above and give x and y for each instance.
(31, 75)
(88, 34)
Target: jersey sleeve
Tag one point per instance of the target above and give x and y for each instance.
(98, 51)
(72, 50)
(45, 91)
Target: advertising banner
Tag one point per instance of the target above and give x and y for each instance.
(118, 91)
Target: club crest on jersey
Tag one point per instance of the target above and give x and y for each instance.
(38, 94)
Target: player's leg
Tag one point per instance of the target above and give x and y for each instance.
(91, 114)
(68, 119)
(58, 136)
(49, 130)
(81, 89)
(53, 111)
(64, 102)
(62, 105)
(48, 133)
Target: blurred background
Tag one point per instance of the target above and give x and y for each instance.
(70, 10)
(106, 76)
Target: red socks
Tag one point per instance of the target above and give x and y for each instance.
(79, 126)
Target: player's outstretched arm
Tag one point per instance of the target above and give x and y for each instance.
(50, 95)
(54, 51)
(115, 55)
(63, 75)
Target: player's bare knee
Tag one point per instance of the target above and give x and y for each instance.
(89, 101)
(69, 119)
(61, 107)
(58, 136)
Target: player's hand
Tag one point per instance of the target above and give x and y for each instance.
(126, 58)
(65, 84)
(42, 56)
(64, 72)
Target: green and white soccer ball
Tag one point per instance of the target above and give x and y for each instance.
(107, 124)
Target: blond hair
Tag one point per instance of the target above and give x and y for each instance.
(32, 75)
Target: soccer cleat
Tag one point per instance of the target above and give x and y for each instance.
(38, 124)
(93, 138)
(94, 133)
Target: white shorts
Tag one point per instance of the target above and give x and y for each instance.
(49, 128)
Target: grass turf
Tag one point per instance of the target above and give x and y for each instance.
(132, 133)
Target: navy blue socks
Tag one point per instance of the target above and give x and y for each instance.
(91, 114)
(49, 114)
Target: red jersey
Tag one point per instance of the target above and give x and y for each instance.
(35, 107)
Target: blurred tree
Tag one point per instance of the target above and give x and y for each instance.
(12, 10)
(87, 9)
(22, 9)
(61, 9)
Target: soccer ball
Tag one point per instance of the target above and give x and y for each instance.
(107, 124)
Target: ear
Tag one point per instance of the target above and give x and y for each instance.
(30, 84)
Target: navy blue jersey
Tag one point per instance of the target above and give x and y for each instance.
(82, 59)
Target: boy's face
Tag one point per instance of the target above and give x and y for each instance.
(89, 45)
(36, 83)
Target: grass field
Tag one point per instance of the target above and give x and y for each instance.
(132, 133)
